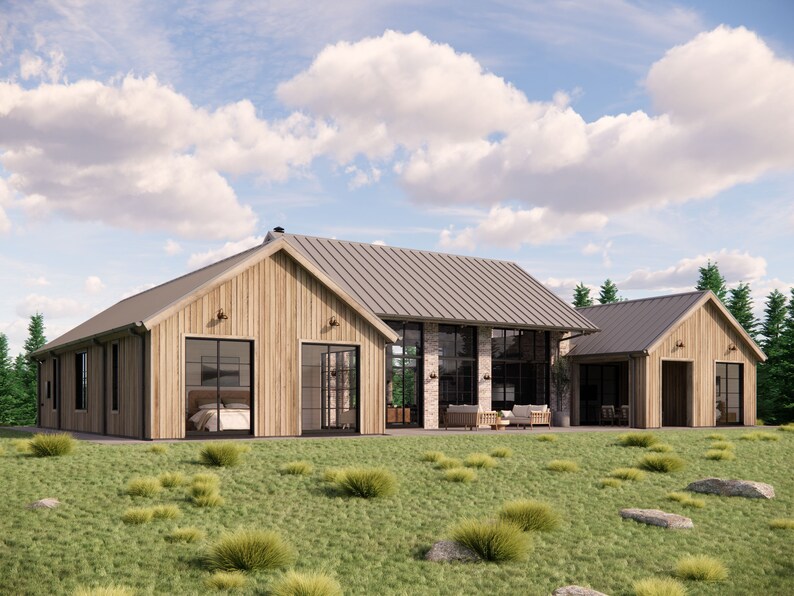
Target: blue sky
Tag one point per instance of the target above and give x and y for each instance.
(584, 140)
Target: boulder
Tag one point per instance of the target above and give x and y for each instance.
(576, 591)
(448, 550)
(48, 503)
(732, 488)
(655, 517)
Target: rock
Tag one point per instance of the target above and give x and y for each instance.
(576, 591)
(49, 503)
(654, 517)
(732, 488)
(448, 550)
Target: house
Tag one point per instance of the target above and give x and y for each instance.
(679, 360)
(302, 335)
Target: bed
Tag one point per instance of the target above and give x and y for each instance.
(232, 413)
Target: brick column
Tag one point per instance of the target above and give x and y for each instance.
(558, 349)
(484, 367)
(431, 367)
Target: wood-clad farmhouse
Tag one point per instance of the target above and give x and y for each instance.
(306, 335)
(679, 360)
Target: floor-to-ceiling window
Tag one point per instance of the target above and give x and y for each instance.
(404, 386)
(519, 367)
(329, 388)
(599, 385)
(729, 393)
(457, 365)
(218, 375)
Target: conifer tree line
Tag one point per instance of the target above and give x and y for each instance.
(774, 333)
(19, 377)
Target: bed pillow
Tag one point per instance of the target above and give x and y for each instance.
(209, 406)
(239, 406)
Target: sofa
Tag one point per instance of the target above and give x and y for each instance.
(468, 416)
(523, 415)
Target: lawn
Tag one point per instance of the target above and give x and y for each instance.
(376, 546)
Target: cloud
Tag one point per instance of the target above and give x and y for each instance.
(507, 227)
(591, 248)
(202, 259)
(379, 243)
(37, 281)
(735, 267)
(51, 308)
(33, 66)
(172, 247)
(93, 285)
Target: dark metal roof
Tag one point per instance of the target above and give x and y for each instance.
(422, 285)
(633, 325)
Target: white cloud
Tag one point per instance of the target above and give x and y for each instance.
(591, 248)
(37, 281)
(32, 66)
(172, 247)
(734, 266)
(360, 177)
(51, 308)
(202, 259)
(93, 285)
(379, 243)
(504, 226)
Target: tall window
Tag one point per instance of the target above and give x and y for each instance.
(404, 375)
(519, 367)
(729, 393)
(457, 365)
(55, 385)
(114, 381)
(81, 380)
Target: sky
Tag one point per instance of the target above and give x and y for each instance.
(585, 140)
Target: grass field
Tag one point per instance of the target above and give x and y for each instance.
(376, 546)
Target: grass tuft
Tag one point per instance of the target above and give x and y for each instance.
(211, 500)
(627, 474)
(464, 475)
(724, 445)
(660, 448)
(492, 540)
(562, 465)
(782, 523)
(662, 463)
(145, 486)
(547, 438)
(137, 515)
(222, 454)
(112, 590)
(225, 580)
(250, 550)
(294, 583)
(158, 449)
(610, 483)
(331, 474)
(716, 437)
(172, 479)
(210, 479)
(166, 512)
(21, 445)
(186, 535)
(432, 456)
(447, 463)
(367, 483)
(501, 452)
(720, 455)
(637, 439)
(51, 445)
(701, 568)
(760, 436)
(297, 468)
(479, 460)
(687, 500)
(787, 428)
(531, 516)
(657, 586)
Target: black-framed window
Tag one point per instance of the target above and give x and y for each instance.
(55, 385)
(404, 378)
(729, 393)
(329, 387)
(457, 365)
(519, 367)
(81, 380)
(599, 385)
(48, 390)
(114, 378)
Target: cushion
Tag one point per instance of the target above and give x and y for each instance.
(521, 411)
(538, 408)
(239, 406)
(507, 414)
(210, 406)
(464, 408)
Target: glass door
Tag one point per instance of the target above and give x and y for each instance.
(729, 393)
(404, 386)
(329, 388)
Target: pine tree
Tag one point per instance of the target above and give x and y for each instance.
(772, 381)
(774, 317)
(7, 393)
(581, 296)
(21, 404)
(711, 279)
(740, 304)
(785, 406)
(608, 293)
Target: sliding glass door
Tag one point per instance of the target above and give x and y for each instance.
(218, 386)
(329, 388)
(404, 387)
(729, 399)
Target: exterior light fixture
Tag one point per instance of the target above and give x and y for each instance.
(487, 377)
(333, 373)
(222, 316)
(732, 347)
(679, 343)
(332, 322)
(433, 375)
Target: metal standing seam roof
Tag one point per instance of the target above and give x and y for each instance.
(633, 325)
(422, 285)
(390, 282)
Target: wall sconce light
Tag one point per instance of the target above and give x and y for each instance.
(732, 347)
(679, 343)
(487, 377)
(332, 322)
(433, 375)
(333, 373)
(222, 316)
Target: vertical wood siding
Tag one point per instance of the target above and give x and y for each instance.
(48, 417)
(278, 304)
(127, 421)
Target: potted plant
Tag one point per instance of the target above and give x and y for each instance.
(561, 379)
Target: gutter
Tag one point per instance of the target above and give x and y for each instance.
(44, 351)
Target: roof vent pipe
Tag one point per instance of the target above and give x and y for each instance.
(278, 230)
